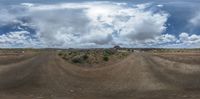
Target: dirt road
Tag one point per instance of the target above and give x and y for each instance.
(139, 76)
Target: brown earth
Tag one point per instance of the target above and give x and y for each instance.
(139, 76)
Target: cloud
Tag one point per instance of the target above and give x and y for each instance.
(184, 40)
(90, 24)
(189, 39)
(60, 27)
(144, 25)
(195, 21)
(27, 4)
(95, 23)
(158, 41)
(17, 39)
(160, 5)
(6, 17)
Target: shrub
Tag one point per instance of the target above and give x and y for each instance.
(105, 58)
(124, 54)
(65, 57)
(85, 57)
(109, 52)
(60, 54)
(77, 59)
(70, 53)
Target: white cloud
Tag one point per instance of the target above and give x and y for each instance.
(95, 23)
(189, 39)
(6, 17)
(160, 5)
(160, 40)
(195, 21)
(144, 25)
(92, 24)
(27, 4)
(17, 39)
(13, 37)
(184, 40)
(143, 6)
(184, 36)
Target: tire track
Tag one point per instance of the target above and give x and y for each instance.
(15, 75)
(47, 75)
(182, 78)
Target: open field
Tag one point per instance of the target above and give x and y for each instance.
(126, 74)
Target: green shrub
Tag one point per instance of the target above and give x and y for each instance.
(105, 58)
(70, 53)
(77, 59)
(108, 52)
(65, 57)
(60, 54)
(85, 57)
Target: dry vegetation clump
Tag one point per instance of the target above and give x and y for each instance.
(92, 56)
(77, 59)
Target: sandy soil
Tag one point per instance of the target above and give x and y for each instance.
(139, 76)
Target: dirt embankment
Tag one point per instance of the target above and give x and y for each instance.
(137, 76)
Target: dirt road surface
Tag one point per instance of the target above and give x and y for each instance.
(139, 76)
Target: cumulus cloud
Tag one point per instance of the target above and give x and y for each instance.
(145, 25)
(184, 40)
(89, 24)
(96, 23)
(163, 39)
(189, 39)
(17, 39)
(60, 27)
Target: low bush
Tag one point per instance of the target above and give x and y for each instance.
(77, 59)
(105, 58)
(60, 54)
(85, 57)
(109, 52)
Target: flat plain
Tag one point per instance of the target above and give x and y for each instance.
(99, 74)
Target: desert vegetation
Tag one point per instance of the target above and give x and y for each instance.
(92, 56)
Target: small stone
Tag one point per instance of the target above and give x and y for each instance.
(71, 91)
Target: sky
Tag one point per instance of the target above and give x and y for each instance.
(99, 24)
